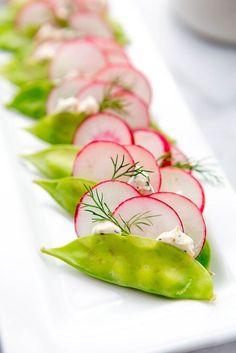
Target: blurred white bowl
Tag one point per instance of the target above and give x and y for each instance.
(213, 18)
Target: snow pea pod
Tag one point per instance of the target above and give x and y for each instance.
(31, 98)
(140, 263)
(57, 128)
(54, 162)
(205, 255)
(67, 192)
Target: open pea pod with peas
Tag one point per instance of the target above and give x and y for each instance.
(140, 263)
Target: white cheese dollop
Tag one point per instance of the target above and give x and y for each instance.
(142, 184)
(106, 227)
(50, 32)
(89, 105)
(69, 104)
(179, 239)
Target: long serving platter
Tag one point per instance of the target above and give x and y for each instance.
(47, 309)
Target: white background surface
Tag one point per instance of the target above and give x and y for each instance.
(205, 74)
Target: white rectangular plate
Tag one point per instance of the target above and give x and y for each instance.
(46, 306)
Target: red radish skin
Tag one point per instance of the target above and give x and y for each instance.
(94, 162)
(166, 218)
(107, 45)
(92, 5)
(130, 77)
(114, 192)
(68, 88)
(179, 181)
(89, 24)
(103, 127)
(35, 14)
(152, 140)
(80, 56)
(136, 112)
(177, 156)
(190, 215)
(148, 162)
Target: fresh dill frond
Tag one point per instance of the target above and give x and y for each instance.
(121, 168)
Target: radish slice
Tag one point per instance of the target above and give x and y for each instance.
(116, 57)
(103, 127)
(190, 215)
(135, 111)
(68, 88)
(178, 181)
(148, 162)
(79, 57)
(163, 217)
(107, 45)
(97, 90)
(92, 5)
(94, 161)
(177, 156)
(34, 14)
(46, 50)
(130, 77)
(153, 141)
(113, 191)
(87, 24)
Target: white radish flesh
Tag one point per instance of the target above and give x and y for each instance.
(113, 192)
(177, 156)
(162, 218)
(89, 24)
(190, 215)
(79, 57)
(34, 14)
(145, 159)
(178, 181)
(135, 112)
(129, 77)
(68, 88)
(152, 140)
(103, 127)
(98, 90)
(94, 161)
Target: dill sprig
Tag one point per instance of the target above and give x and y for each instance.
(126, 169)
(101, 212)
(112, 101)
(202, 167)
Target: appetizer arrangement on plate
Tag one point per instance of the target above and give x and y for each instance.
(136, 198)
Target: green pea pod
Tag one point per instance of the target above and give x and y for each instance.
(67, 192)
(31, 99)
(19, 71)
(11, 40)
(57, 128)
(140, 263)
(54, 162)
(205, 255)
(118, 32)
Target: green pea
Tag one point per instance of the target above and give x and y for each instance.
(57, 128)
(54, 162)
(67, 192)
(31, 99)
(140, 263)
(205, 255)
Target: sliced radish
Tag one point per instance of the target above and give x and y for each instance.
(68, 88)
(135, 111)
(92, 5)
(190, 215)
(113, 192)
(130, 77)
(46, 49)
(97, 90)
(94, 161)
(152, 140)
(34, 14)
(178, 181)
(88, 23)
(107, 45)
(116, 57)
(177, 156)
(80, 57)
(103, 127)
(148, 162)
(162, 217)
